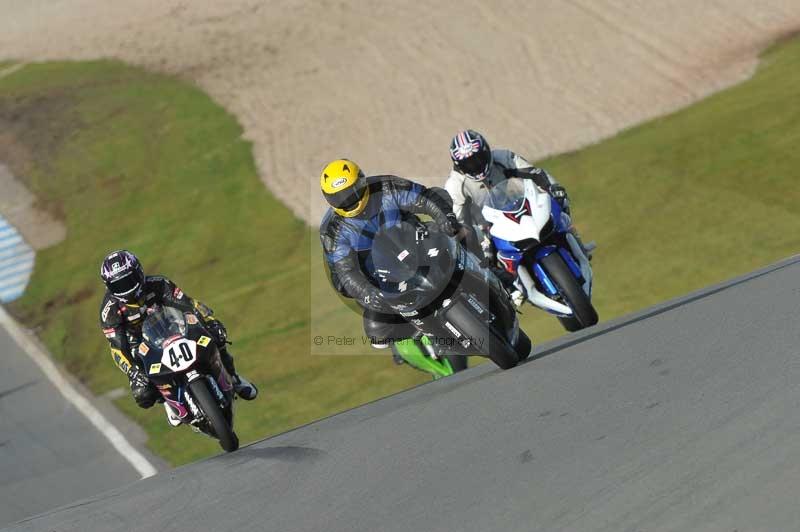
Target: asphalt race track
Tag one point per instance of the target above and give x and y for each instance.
(50, 454)
(683, 417)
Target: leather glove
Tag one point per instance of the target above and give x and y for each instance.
(559, 193)
(143, 390)
(137, 378)
(219, 331)
(377, 304)
(450, 225)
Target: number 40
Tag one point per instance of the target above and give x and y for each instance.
(185, 354)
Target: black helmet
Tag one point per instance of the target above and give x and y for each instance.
(471, 154)
(122, 273)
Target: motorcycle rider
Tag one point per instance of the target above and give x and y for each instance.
(359, 207)
(129, 294)
(476, 168)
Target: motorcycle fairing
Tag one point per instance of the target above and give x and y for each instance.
(522, 224)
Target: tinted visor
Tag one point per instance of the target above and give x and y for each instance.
(477, 164)
(125, 286)
(348, 198)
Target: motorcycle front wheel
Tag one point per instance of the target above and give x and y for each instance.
(571, 292)
(216, 418)
(486, 339)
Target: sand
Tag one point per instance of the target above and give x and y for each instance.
(388, 83)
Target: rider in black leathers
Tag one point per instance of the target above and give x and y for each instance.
(129, 294)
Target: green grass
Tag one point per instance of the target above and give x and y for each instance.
(132, 159)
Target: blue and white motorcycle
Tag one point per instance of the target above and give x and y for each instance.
(531, 233)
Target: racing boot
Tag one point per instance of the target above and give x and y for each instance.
(172, 416)
(243, 388)
(518, 298)
(396, 358)
(512, 285)
(587, 248)
(518, 293)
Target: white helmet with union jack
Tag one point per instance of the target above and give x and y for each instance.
(471, 154)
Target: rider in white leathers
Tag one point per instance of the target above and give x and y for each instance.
(469, 193)
(476, 168)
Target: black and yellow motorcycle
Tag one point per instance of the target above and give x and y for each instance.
(182, 360)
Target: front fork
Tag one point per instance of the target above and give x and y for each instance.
(581, 270)
(221, 386)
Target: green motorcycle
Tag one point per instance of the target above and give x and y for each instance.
(420, 354)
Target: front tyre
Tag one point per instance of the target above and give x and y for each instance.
(584, 313)
(486, 338)
(524, 346)
(570, 324)
(216, 418)
(457, 362)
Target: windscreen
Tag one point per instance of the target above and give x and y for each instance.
(163, 324)
(507, 195)
(412, 264)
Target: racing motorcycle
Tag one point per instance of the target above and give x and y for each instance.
(182, 360)
(531, 233)
(438, 286)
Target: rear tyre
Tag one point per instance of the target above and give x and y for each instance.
(216, 418)
(487, 340)
(571, 292)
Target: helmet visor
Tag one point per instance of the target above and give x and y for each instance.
(477, 164)
(125, 286)
(348, 198)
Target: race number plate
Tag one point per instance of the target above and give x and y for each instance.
(180, 354)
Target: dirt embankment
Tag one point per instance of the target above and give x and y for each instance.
(388, 83)
(40, 227)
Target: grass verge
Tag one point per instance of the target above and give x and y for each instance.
(132, 159)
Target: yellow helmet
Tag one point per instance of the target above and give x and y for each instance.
(345, 188)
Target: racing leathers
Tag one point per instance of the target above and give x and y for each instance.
(469, 196)
(121, 322)
(346, 243)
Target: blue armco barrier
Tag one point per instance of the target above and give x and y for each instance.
(16, 262)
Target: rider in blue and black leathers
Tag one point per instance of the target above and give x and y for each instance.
(360, 206)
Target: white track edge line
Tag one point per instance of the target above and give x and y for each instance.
(112, 434)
